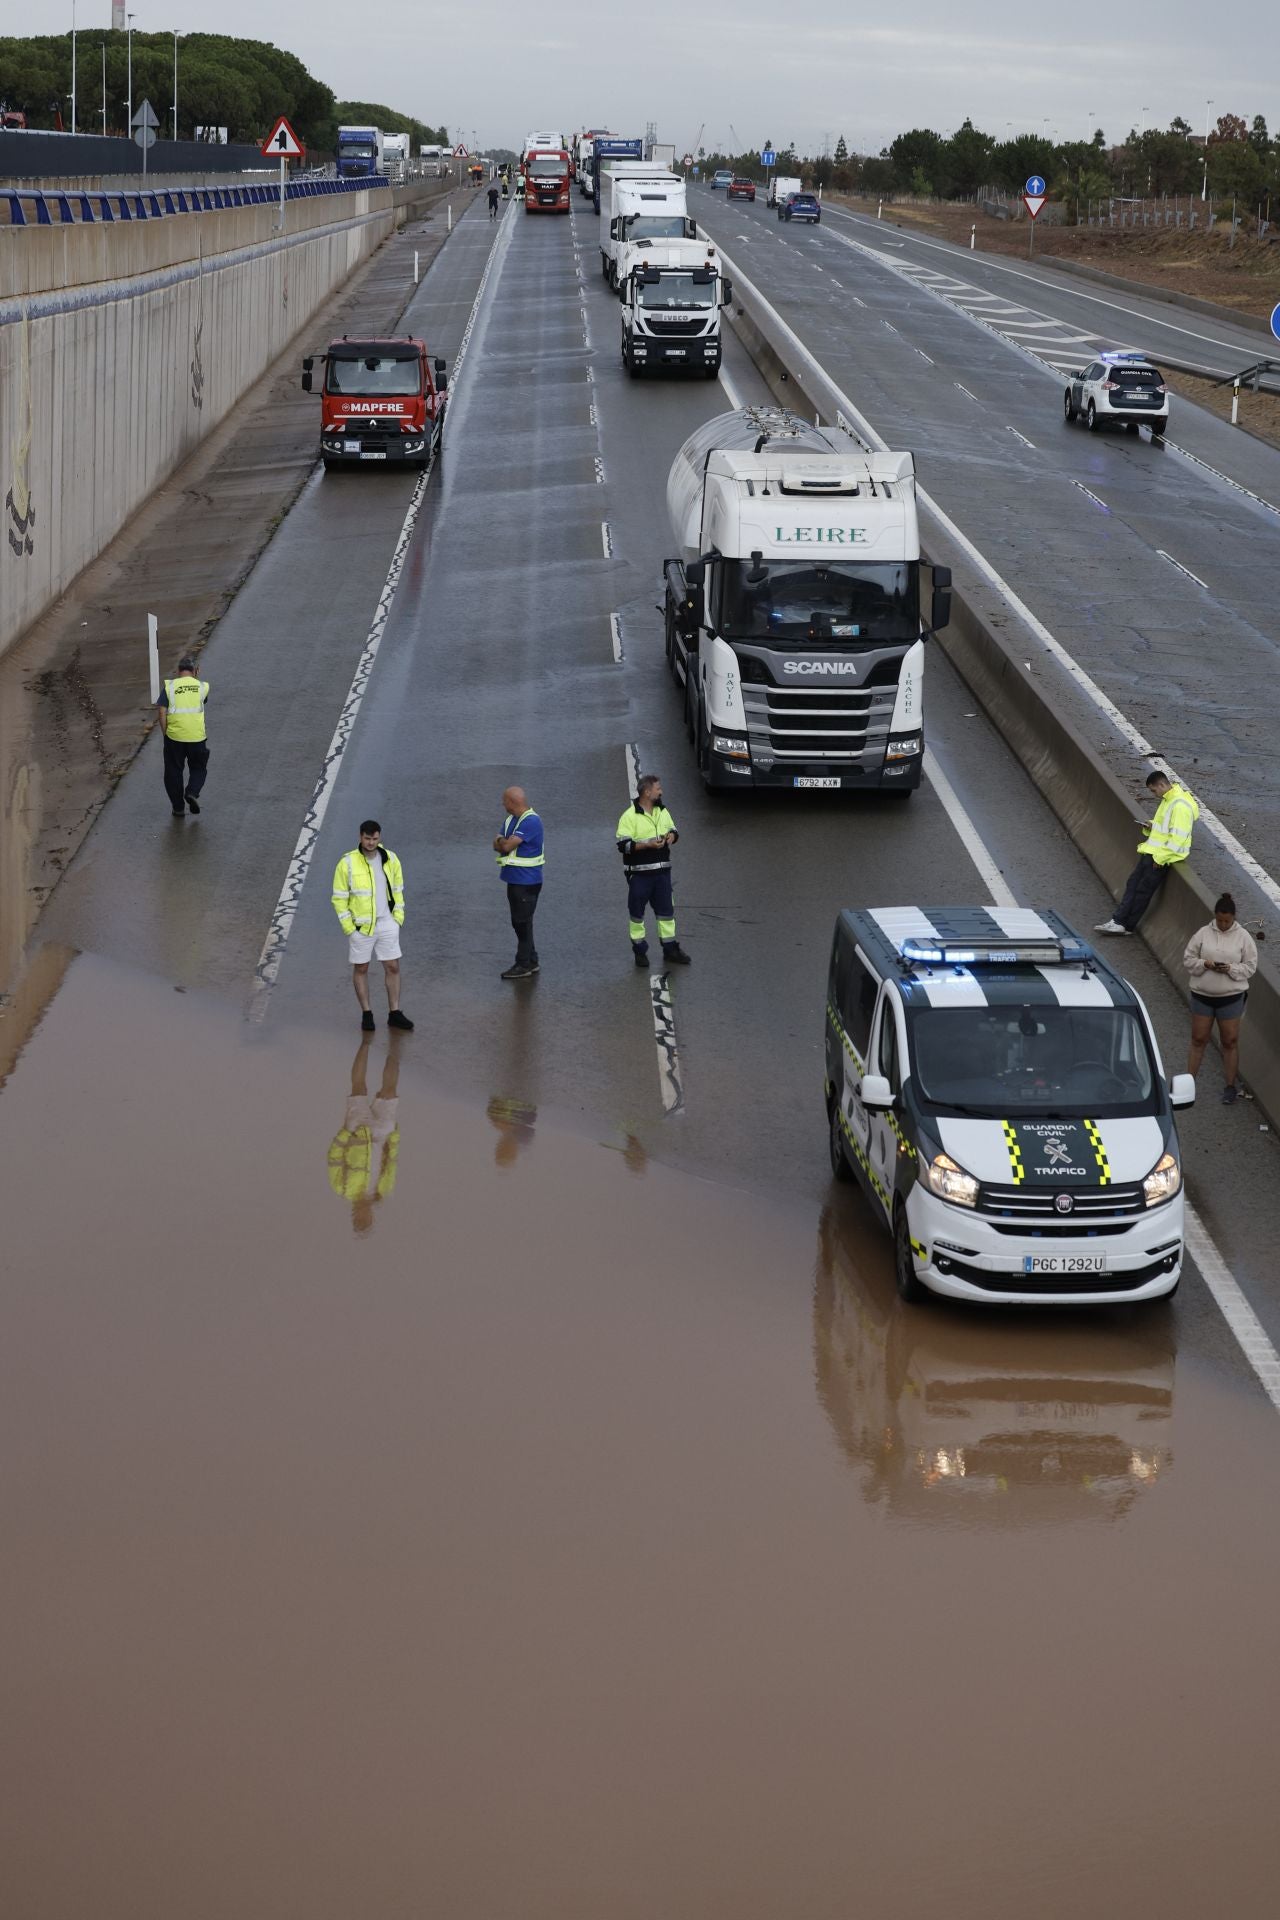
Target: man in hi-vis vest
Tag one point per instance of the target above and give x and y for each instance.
(186, 750)
(520, 866)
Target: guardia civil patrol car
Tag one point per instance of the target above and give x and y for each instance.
(997, 1090)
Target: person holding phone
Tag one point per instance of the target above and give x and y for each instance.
(1221, 958)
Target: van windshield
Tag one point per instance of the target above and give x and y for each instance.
(374, 376)
(838, 603)
(996, 1061)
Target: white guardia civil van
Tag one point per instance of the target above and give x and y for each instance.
(998, 1092)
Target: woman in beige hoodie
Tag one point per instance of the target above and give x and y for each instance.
(1221, 960)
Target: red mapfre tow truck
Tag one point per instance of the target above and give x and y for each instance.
(380, 400)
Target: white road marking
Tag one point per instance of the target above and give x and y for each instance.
(1091, 496)
(924, 356)
(890, 325)
(634, 768)
(606, 539)
(1022, 437)
(1181, 569)
(1238, 1314)
(267, 971)
(1237, 486)
(856, 301)
(599, 464)
(964, 389)
(615, 635)
(836, 283)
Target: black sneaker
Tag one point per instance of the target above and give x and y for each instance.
(641, 959)
(193, 804)
(401, 1020)
(179, 813)
(676, 956)
(519, 973)
(367, 1023)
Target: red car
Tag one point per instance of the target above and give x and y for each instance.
(741, 189)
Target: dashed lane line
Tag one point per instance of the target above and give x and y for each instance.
(1022, 437)
(615, 637)
(267, 970)
(1089, 495)
(606, 539)
(1181, 569)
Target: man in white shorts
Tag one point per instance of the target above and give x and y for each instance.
(368, 898)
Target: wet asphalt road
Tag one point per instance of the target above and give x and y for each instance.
(1161, 579)
(586, 1528)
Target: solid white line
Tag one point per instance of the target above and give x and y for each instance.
(1022, 437)
(267, 970)
(1181, 569)
(606, 540)
(997, 886)
(615, 635)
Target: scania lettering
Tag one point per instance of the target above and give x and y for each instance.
(756, 631)
(381, 401)
(546, 180)
(610, 148)
(672, 300)
(997, 1090)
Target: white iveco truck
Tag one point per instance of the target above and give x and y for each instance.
(672, 297)
(793, 609)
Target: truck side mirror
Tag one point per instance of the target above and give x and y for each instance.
(726, 292)
(439, 364)
(306, 376)
(690, 229)
(442, 381)
(614, 229)
(940, 611)
(695, 573)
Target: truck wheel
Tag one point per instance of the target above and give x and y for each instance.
(904, 1266)
(840, 1168)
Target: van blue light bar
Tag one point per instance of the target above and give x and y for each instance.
(917, 952)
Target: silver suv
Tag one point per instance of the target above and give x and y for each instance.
(1121, 387)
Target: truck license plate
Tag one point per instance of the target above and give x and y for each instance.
(816, 780)
(1064, 1263)
(373, 456)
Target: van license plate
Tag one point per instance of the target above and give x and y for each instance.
(816, 780)
(1064, 1263)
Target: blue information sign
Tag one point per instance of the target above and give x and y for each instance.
(1275, 321)
(1035, 184)
(767, 157)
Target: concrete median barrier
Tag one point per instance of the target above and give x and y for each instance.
(1083, 756)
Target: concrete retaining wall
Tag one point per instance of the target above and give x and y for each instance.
(1083, 763)
(122, 346)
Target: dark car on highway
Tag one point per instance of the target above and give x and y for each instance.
(740, 189)
(802, 206)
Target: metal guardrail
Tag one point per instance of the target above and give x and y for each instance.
(53, 207)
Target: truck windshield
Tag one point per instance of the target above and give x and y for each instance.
(654, 226)
(996, 1061)
(838, 604)
(676, 290)
(357, 150)
(548, 169)
(374, 376)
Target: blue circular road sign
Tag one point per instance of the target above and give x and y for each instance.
(1275, 321)
(1035, 184)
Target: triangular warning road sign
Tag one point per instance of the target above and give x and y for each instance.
(1033, 202)
(460, 153)
(282, 143)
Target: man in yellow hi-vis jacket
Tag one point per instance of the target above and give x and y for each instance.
(1164, 844)
(368, 898)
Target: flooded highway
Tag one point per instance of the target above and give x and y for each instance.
(422, 1504)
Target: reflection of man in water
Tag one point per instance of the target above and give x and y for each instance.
(515, 1123)
(364, 1151)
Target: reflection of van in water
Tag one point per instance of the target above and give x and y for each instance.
(949, 1416)
(997, 1090)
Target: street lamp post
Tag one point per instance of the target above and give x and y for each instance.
(73, 65)
(104, 86)
(1204, 184)
(129, 84)
(175, 83)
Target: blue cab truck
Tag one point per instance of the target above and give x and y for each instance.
(359, 152)
(607, 148)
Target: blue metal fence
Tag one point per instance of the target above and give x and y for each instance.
(57, 207)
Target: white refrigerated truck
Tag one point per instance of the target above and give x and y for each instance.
(639, 204)
(793, 607)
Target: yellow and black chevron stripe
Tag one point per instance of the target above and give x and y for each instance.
(855, 1147)
(845, 1041)
(905, 1147)
(1099, 1153)
(1016, 1167)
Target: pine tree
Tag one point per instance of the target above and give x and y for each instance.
(842, 151)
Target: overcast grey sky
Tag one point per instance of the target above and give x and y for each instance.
(763, 67)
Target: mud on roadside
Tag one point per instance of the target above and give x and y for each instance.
(74, 707)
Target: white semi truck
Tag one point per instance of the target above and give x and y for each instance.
(395, 156)
(672, 294)
(640, 204)
(793, 608)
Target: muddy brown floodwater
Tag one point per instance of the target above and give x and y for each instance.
(415, 1507)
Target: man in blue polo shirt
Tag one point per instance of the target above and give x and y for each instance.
(520, 863)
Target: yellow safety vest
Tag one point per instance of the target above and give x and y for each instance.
(350, 1157)
(353, 894)
(519, 859)
(1168, 838)
(185, 717)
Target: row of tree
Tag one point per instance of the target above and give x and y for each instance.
(241, 85)
(1243, 160)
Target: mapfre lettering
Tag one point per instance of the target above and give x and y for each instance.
(820, 536)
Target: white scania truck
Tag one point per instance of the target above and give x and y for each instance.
(672, 297)
(793, 608)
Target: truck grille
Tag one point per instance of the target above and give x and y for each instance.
(826, 723)
(675, 329)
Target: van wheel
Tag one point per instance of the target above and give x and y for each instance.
(904, 1270)
(1091, 419)
(840, 1168)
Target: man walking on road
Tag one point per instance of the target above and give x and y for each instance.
(368, 898)
(186, 749)
(646, 835)
(520, 864)
(1164, 844)
(493, 203)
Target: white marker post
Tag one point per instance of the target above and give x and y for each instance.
(415, 266)
(153, 656)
